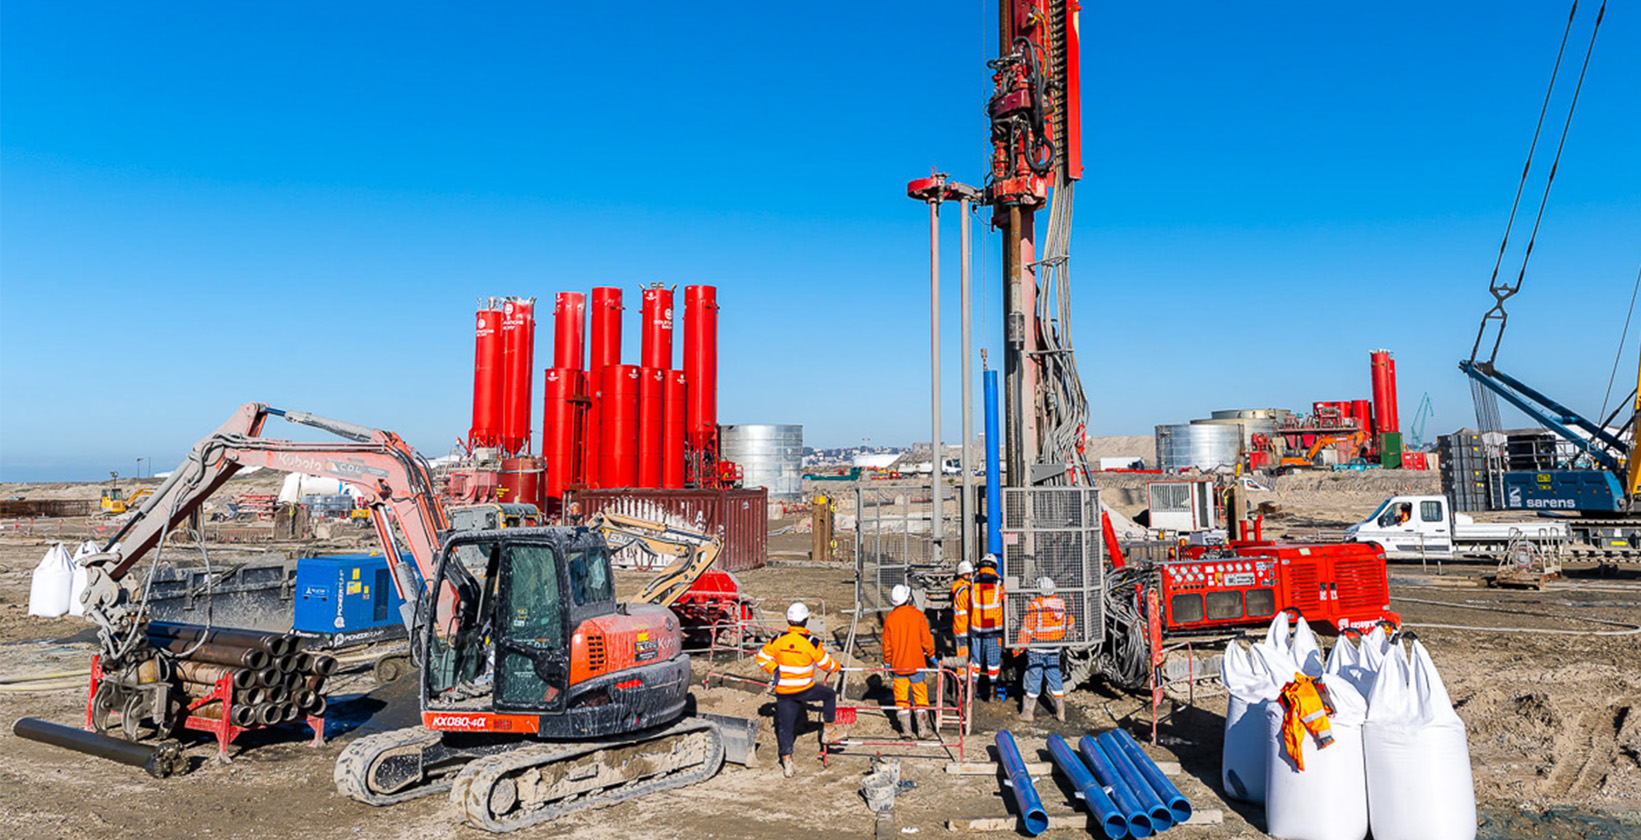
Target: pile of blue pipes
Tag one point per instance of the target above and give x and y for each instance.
(1122, 788)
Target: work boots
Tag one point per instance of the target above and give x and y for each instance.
(905, 718)
(1028, 708)
(788, 767)
(832, 733)
(1059, 708)
(925, 729)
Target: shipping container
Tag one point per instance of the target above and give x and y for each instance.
(740, 517)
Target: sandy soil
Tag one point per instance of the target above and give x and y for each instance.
(1555, 736)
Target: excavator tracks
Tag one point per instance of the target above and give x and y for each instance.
(388, 767)
(538, 783)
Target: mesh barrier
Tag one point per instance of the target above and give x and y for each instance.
(893, 528)
(1054, 532)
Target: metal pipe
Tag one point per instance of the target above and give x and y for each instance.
(208, 673)
(1139, 825)
(277, 644)
(318, 707)
(965, 506)
(937, 472)
(1014, 347)
(994, 473)
(159, 760)
(234, 657)
(286, 664)
(324, 665)
(1094, 796)
(1032, 816)
(1162, 819)
(268, 714)
(269, 677)
(304, 661)
(315, 683)
(277, 694)
(1177, 804)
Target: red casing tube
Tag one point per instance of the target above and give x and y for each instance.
(1394, 424)
(488, 378)
(518, 341)
(561, 432)
(655, 334)
(569, 330)
(588, 453)
(1380, 361)
(652, 399)
(619, 419)
(672, 434)
(603, 350)
(701, 363)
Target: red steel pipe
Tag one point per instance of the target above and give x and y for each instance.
(569, 330)
(655, 331)
(652, 397)
(1394, 424)
(561, 430)
(701, 364)
(603, 350)
(672, 434)
(1380, 361)
(618, 431)
(488, 377)
(518, 342)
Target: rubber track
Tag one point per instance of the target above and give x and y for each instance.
(470, 795)
(352, 773)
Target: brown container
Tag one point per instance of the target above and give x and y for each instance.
(740, 517)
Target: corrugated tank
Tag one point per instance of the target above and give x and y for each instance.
(1204, 446)
(1250, 426)
(770, 456)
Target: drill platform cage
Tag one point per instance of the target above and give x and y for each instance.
(1054, 532)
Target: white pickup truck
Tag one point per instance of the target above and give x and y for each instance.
(1418, 527)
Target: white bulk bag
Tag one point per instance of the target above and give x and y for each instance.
(53, 578)
(1328, 801)
(1307, 654)
(77, 585)
(1418, 763)
(1345, 662)
(1250, 686)
(1375, 645)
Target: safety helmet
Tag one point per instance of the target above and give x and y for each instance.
(797, 613)
(989, 560)
(900, 594)
(1046, 584)
(964, 567)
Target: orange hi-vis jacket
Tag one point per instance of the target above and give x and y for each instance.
(793, 657)
(907, 643)
(961, 590)
(986, 602)
(1046, 620)
(1307, 704)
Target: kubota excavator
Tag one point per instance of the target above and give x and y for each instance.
(540, 694)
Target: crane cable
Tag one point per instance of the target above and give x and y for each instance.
(1623, 338)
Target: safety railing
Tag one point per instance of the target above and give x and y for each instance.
(949, 700)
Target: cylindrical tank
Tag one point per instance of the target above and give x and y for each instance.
(488, 376)
(769, 456)
(652, 400)
(1258, 413)
(1249, 426)
(518, 343)
(603, 350)
(561, 432)
(591, 436)
(569, 329)
(672, 435)
(1204, 446)
(1362, 410)
(521, 480)
(655, 333)
(701, 363)
(1394, 422)
(618, 450)
(1380, 361)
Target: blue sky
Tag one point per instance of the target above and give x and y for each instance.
(299, 203)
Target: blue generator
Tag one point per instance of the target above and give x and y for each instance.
(346, 599)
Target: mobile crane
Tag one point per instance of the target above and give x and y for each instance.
(539, 693)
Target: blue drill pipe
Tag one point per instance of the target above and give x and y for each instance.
(1162, 819)
(1165, 790)
(1139, 824)
(994, 471)
(1032, 815)
(1094, 796)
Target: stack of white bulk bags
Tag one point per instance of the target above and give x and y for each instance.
(1418, 762)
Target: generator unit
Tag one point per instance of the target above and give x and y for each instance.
(1332, 586)
(1182, 505)
(346, 599)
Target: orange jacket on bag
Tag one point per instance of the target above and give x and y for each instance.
(793, 657)
(1307, 705)
(960, 606)
(1046, 620)
(986, 601)
(907, 643)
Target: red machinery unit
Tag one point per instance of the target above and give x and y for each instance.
(652, 399)
(518, 342)
(563, 418)
(618, 427)
(603, 350)
(1332, 586)
(569, 329)
(655, 334)
(672, 433)
(488, 381)
(521, 480)
(701, 368)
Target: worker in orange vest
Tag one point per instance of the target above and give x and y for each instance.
(986, 624)
(908, 649)
(961, 591)
(793, 658)
(1043, 628)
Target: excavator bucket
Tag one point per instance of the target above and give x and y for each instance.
(740, 737)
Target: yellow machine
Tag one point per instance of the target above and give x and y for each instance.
(114, 499)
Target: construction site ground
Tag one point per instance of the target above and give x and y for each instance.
(1551, 707)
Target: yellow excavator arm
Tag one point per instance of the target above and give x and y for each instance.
(694, 552)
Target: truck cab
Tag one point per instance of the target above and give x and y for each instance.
(1408, 528)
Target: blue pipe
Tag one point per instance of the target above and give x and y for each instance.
(994, 471)
(1139, 825)
(1094, 797)
(1165, 790)
(1161, 818)
(1032, 815)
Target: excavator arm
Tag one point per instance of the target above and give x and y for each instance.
(694, 551)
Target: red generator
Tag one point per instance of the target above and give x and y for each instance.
(1247, 583)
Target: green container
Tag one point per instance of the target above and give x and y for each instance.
(1390, 450)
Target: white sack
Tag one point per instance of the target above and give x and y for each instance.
(1418, 762)
(1251, 688)
(1328, 801)
(53, 579)
(77, 585)
(1345, 662)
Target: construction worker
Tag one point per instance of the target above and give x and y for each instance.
(986, 623)
(793, 658)
(961, 586)
(908, 648)
(1046, 622)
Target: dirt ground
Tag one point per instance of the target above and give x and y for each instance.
(1552, 711)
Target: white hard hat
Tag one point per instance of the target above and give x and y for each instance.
(797, 612)
(1046, 584)
(964, 567)
(900, 594)
(989, 560)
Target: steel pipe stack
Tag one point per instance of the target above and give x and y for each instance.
(272, 681)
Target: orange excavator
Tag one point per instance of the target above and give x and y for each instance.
(540, 693)
(1355, 438)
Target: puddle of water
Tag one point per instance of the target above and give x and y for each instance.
(1558, 824)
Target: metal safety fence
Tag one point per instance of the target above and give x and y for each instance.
(1054, 532)
(894, 537)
